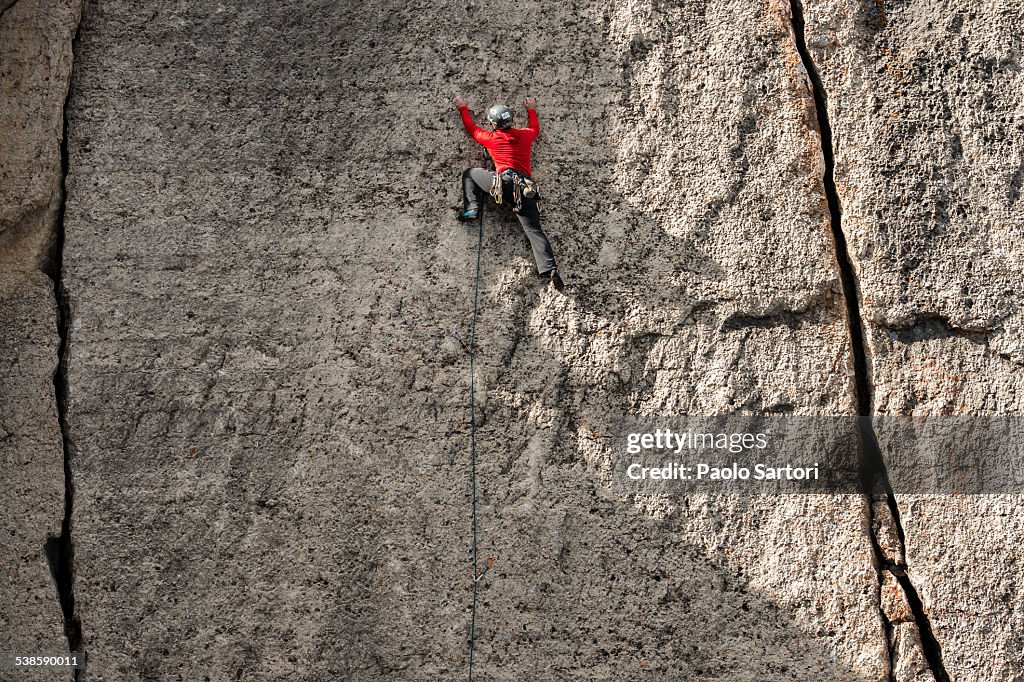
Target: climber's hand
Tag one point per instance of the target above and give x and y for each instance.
(530, 103)
(460, 102)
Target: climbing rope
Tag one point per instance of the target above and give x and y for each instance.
(478, 573)
(472, 431)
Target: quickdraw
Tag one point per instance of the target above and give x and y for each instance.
(496, 186)
(487, 567)
(522, 186)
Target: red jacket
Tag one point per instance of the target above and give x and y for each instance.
(510, 148)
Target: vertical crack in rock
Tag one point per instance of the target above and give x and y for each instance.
(61, 549)
(874, 472)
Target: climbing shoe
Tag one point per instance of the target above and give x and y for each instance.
(556, 281)
(469, 215)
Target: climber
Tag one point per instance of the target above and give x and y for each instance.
(511, 181)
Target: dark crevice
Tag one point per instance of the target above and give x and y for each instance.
(60, 549)
(933, 327)
(794, 319)
(932, 649)
(822, 301)
(6, 5)
(875, 478)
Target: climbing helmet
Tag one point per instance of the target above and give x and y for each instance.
(500, 116)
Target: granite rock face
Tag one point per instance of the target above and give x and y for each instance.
(271, 307)
(35, 67)
(271, 395)
(925, 103)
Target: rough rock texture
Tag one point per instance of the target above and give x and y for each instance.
(31, 463)
(926, 106)
(270, 307)
(35, 66)
(270, 399)
(909, 662)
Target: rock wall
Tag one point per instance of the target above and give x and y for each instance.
(35, 67)
(925, 101)
(267, 400)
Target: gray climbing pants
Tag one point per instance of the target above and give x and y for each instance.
(475, 180)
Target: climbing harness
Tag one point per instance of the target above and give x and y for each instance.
(530, 190)
(522, 186)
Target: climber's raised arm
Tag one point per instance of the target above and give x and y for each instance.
(533, 123)
(472, 129)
